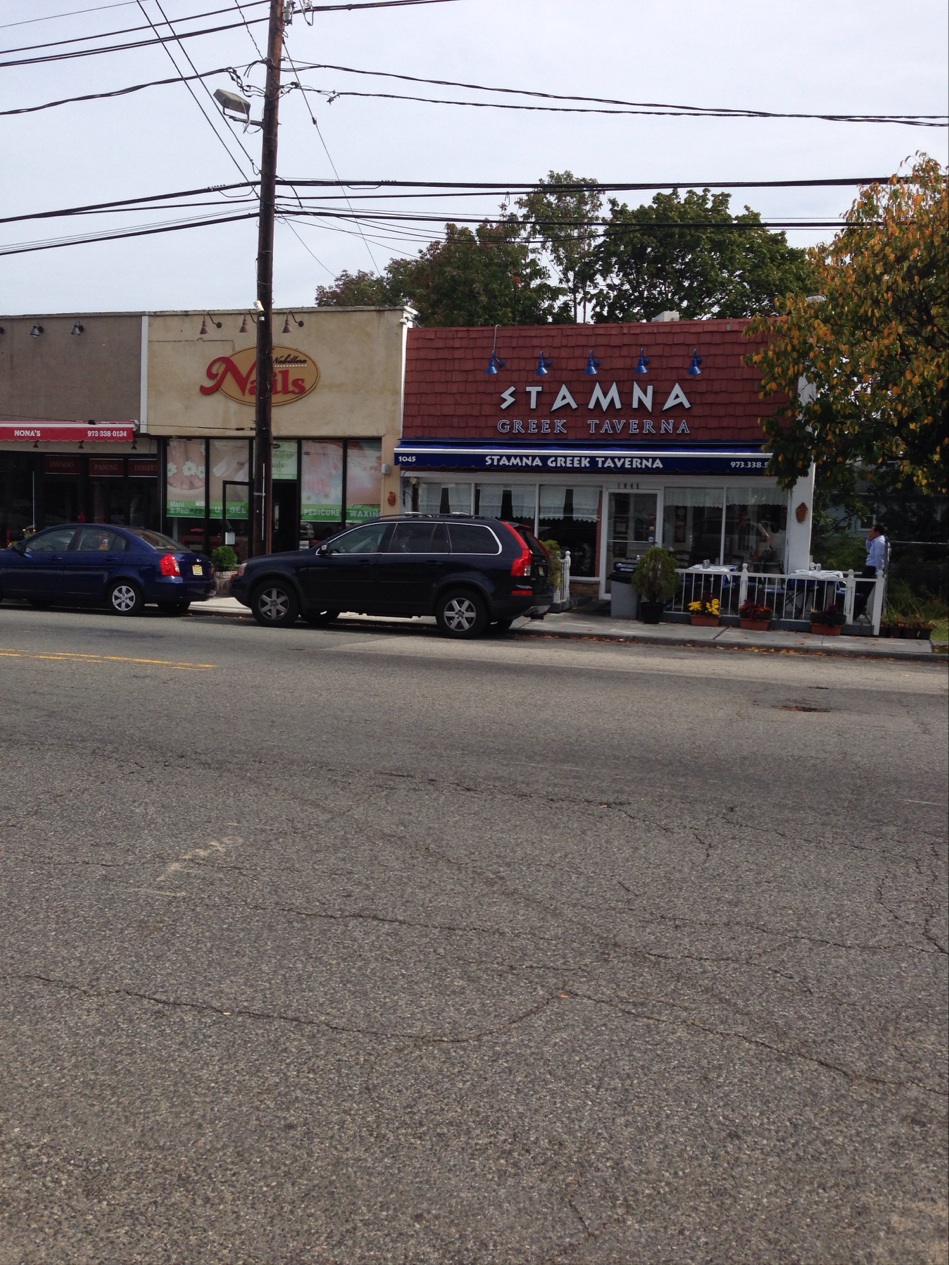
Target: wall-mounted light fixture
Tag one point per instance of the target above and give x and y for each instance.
(543, 366)
(695, 368)
(78, 328)
(204, 324)
(495, 362)
(592, 365)
(286, 324)
(243, 328)
(642, 364)
(37, 330)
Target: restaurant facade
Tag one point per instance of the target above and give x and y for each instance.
(148, 419)
(605, 438)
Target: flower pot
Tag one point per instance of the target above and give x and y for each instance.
(650, 612)
(826, 630)
(705, 621)
(755, 625)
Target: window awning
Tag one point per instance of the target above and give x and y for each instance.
(66, 432)
(585, 460)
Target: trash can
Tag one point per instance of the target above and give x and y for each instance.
(624, 600)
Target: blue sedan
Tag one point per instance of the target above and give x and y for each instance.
(121, 568)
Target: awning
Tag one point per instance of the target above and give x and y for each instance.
(65, 432)
(427, 456)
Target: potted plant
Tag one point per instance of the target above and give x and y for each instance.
(827, 622)
(755, 616)
(655, 581)
(224, 560)
(555, 553)
(706, 610)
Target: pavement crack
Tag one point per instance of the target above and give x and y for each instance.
(851, 1075)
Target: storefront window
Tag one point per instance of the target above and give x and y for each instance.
(692, 524)
(363, 476)
(230, 464)
(321, 499)
(755, 528)
(513, 504)
(185, 479)
(439, 498)
(569, 516)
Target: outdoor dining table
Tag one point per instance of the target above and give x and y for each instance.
(815, 588)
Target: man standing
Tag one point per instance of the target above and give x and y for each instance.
(874, 568)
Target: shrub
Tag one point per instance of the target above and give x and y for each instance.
(224, 558)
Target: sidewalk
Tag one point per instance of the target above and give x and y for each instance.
(592, 624)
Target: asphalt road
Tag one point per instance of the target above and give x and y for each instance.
(353, 946)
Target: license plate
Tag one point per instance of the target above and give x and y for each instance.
(197, 569)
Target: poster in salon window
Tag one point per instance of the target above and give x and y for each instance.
(230, 462)
(185, 476)
(321, 490)
(363, 473)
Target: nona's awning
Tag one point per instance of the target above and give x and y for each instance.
(66, 432)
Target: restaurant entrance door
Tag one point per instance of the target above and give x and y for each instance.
(631, 525)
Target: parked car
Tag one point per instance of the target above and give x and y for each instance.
(104, 565)
(468, 572)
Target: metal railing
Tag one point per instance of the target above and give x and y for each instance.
(791, 596)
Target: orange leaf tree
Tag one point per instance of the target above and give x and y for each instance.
(870, 353)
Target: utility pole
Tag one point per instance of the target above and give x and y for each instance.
(262, 510)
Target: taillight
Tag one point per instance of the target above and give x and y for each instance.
(169, 564)
(521, 567)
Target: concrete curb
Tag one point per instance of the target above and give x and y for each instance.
(571, 625)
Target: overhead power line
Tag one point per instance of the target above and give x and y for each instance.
(129, 30)
(636, 107)
(214, 30)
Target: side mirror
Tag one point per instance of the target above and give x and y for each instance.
(322, 550)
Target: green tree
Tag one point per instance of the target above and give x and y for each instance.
(670, 256)
(359, 289)
(871, 350)
(565, 224)
(481, 277)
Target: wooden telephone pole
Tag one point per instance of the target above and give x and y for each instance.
(262, 508)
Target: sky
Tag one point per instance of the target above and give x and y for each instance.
(793, 57)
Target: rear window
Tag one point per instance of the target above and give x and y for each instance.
(472, 538)
(160, 541)
(536, 548)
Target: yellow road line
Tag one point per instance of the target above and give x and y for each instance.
(68, 657)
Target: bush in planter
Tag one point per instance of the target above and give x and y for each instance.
(829, 617)
(556, 563)
(224, 558)
(755, 615)
(655, 581)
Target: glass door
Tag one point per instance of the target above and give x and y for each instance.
(630, 526)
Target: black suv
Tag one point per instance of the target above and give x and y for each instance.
(468, 572)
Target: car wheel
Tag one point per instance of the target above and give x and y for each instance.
(461, 613)
(315, 618)
(174, 608)
(125, 598)
(275, 605)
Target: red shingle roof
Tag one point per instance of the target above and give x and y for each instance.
(448, 395)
